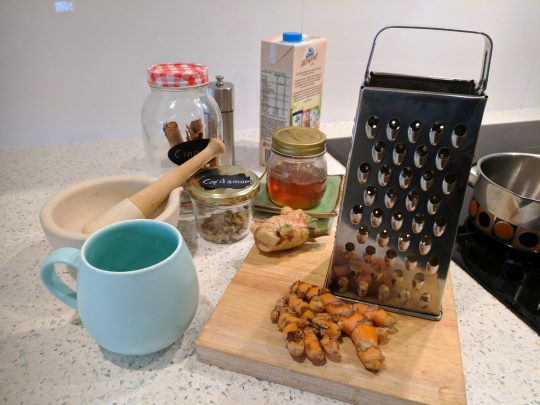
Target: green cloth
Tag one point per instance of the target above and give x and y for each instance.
(327, 207)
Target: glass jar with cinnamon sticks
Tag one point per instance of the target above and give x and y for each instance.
(177, 116)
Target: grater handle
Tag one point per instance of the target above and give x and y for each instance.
(488, 47)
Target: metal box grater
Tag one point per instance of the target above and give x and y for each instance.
(413, 145)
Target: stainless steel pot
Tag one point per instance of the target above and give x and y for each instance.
(506, 200)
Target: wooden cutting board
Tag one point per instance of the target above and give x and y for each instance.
(423, 359)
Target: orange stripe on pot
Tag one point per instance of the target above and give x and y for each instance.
(503, 230)
(473, 208)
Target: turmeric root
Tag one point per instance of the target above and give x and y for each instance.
(300, 307)
(312, 346)
(378, 316)
(292, 328)
(289, 229)
(367, 326)
(330, 332)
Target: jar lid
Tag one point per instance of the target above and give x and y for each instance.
(297, 141)
(177, 75)
(224, 185)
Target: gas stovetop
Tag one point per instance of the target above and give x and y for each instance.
(513, 277)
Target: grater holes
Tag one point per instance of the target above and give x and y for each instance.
(382, 238)
(356, 214)
(362, 234)
(343, 284)
(424, 246)
(356, 265)
(369, 254)
(376, 217)
(415, 131)
(349, 251)
(363, 173)
(458, 135)
(439, 226)
(399, 154)
(449, 183)
(433, 204)
(427, 179)
(411, 201)
(376, 272)
(404, 296)
(418, 223)
(390, 198)
(384, 175)
(432, 265)
(390, 257)
(405, 177)
(377, 152)
(411, 261)
(397, 277)
(436, 133)
(425, 299)
(442, 158)
(418, 281)
(404, 241)
(363, 288)
(372, 127)
(383, 292)
(397, 220)
(420, 156)
(392, 130)
(370, 193)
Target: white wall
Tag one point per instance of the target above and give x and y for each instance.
(80, 75)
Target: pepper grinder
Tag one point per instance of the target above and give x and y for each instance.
(223, 93)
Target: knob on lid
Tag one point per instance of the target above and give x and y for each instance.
(223, 93)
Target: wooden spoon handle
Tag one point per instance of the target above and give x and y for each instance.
(149, 198)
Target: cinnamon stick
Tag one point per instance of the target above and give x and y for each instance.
(172, 132)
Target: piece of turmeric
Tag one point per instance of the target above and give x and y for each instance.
(330, 332)
(367, 325)
(289, 229)
(293, 330)
(312, 346)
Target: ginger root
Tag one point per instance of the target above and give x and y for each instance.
(312, 320)
(289, 229)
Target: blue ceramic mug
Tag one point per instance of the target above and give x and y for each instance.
(137, 288)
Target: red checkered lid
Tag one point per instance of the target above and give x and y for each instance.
(177, 75)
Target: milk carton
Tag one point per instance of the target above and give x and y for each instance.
(292, 70)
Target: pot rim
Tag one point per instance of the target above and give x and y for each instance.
(494, 156)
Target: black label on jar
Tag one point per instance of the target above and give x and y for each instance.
(184, 151)
(211, 181)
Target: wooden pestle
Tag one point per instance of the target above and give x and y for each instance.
(145, 202)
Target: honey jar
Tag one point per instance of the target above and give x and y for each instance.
(296, 168)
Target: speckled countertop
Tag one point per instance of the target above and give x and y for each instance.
(47, 357)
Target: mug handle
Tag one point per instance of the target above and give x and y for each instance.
(53, 283)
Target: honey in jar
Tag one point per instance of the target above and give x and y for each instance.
(296, 167)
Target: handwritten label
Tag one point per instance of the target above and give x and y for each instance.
(212, 181)
(184, 151)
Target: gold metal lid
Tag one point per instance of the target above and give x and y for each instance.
(209, 186)
(296, 141)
